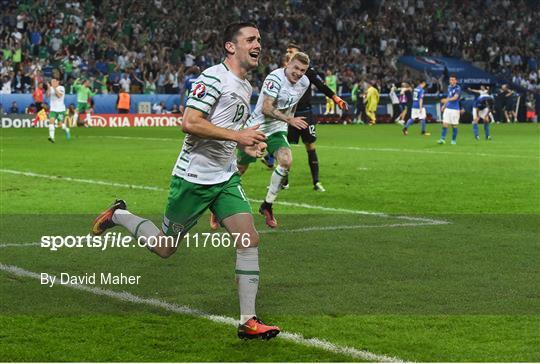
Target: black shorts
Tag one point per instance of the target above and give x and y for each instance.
(409, 112)
(509, 104)
(309, 135)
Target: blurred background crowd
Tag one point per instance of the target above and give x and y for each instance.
(152, 46)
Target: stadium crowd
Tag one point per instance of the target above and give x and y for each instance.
(151, 46)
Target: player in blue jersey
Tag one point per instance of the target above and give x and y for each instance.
(451, 110)
(482, 110)
(192, 74)
(418, 111)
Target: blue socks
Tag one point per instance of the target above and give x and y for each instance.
(486, 130)
(409, 123)
(475, 130)
(269, 159)
(443, 134)
(454, 134)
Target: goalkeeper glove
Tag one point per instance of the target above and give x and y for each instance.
(339, 101)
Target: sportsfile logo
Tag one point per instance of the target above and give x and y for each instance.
(103, 242)
(118, 240)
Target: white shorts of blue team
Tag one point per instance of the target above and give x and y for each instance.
(451, 116)
(418, 113)
(480, 113)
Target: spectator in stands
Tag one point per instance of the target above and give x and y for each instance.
(14, 109)
(149, 85)
(159, 108)
(6, 85)
(31, 109)
(125, 82)
(115, 83)
(175, 109)
(103, 83)
(500, 36)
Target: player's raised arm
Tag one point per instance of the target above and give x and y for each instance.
(58, 92)
(321, 86)
(54, 87)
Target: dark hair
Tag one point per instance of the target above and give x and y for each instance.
(294, 45)
(453, 76)
(421, 81)
(231, 31)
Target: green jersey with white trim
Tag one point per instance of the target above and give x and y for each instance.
(225, 99)
(277, 86)
(83, 93)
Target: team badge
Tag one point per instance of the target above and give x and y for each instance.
(177, 228)
(269, 85)
(199, 90)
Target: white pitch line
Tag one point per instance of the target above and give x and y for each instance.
(358, 212)
(283, 203)
(18, 245)
(398, 150)
(364, 149)
(185, 310)
(340, 227)
(82, 180)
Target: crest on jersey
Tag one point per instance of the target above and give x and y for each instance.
(199, 90)
(177, 228)
(269, 85)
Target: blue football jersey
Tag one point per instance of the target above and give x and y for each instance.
(188, 82)
(418, 95)
(452, 91)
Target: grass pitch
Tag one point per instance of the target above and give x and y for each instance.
(446, 270)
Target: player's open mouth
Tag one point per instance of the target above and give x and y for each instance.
(255, 55)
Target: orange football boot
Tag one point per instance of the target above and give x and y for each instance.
(104, 220)
(256, 329)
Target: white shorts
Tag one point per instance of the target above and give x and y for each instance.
(418, 114)
(451, 116)
(482, 114)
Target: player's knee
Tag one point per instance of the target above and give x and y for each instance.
(286, 163)
(162, 245)
(284, 158)
(252, 240)
(310, 146)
